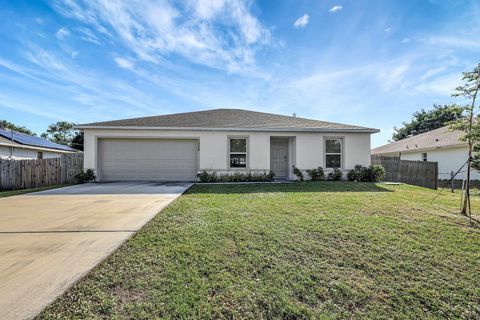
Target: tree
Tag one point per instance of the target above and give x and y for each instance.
(424, 121)
(77, 141)
(10, 126)
(63, 132)
(469, 127)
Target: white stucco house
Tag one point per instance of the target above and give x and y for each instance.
(20, 146)
(176, 147)
(441, 145)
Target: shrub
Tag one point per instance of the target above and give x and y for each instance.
(360, 173)
(355, 174)
(335, 175)
(298, 173)
(85, 176)
(378, 172)
(316, 174)
(205, 177)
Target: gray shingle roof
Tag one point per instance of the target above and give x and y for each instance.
(438, 138)
(230, 119)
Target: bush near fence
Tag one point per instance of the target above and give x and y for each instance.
(26, 174)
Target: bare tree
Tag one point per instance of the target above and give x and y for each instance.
(469, 125)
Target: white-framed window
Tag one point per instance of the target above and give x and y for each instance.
(39, 155)
(237, 152)
(424, 156)
(333, 153)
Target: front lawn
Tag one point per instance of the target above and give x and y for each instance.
(306, 250)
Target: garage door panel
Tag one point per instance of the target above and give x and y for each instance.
(148, 159)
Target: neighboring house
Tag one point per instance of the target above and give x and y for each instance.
(441, 145)
(19, 146)
(176, 147)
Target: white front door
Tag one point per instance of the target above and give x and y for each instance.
(279, 157)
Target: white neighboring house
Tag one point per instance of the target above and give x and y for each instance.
(441, 145)
(19, 146)
(176, 147)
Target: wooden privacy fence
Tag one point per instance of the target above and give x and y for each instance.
(25, 174)
(419, 173)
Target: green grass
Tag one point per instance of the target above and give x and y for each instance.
(308, 250)
(11, 193)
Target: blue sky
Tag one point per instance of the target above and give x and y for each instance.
(370, 62)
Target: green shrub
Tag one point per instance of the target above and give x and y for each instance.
(205, 177)
(355, 174)
(298, 173)
(316, 174)
(85, 176)
(335, 175)
(378, 172)
(360, 173)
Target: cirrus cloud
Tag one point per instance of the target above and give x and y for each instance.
(219, 34)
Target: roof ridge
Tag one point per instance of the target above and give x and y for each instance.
(227, 118)
(436, 138)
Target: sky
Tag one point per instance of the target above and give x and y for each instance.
(371, 62)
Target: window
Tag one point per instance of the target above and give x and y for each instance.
(237, 152)
(333, 153)
(39, 155)
(424, 156)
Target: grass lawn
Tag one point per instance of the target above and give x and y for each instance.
(4, 194)
(307, 250)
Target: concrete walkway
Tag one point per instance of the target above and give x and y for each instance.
(50, 239)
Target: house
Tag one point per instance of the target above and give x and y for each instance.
(18, 146)
(441, 145)
(176, 147)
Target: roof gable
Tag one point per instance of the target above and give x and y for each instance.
(229, 119)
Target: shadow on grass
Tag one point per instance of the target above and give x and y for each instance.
(320, 186)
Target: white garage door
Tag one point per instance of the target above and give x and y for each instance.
(147, 159)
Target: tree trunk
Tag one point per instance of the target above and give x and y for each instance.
(466, 200)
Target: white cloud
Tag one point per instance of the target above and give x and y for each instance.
(88, 35)
(388, 29)
(335, 9)
(392, 77)
(442, 85)
(455, 41)
(406, 40)
(74, 54)
(124, 63)
(432, 72)
(220, 34)
(301, 22)
(62, 33)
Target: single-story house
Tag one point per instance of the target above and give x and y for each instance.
(19, 146)
(176, 147)
(441, 145)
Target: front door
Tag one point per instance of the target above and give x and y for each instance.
(279, 157)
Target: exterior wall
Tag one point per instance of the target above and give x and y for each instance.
(450, 159)
(23, 153)
(5, 152)
(306, 148)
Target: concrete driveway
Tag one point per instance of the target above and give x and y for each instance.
(50, 239)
